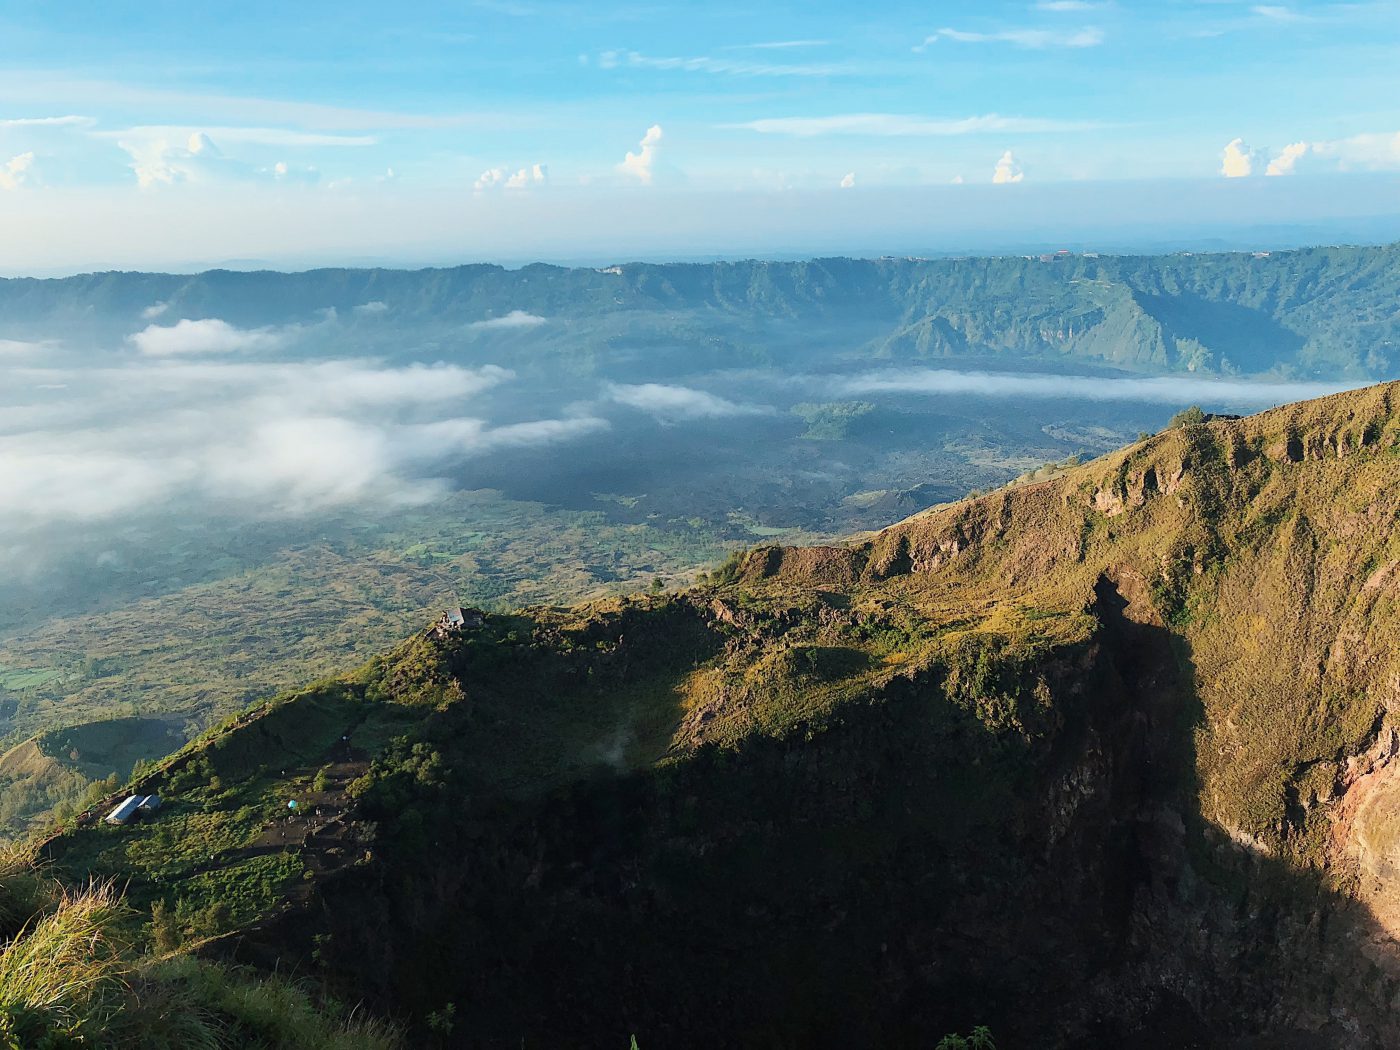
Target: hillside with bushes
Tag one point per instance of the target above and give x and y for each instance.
(1101, 759)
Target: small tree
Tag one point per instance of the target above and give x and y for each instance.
(1187, 417)
(980, 1039)
(441, 1022)
(165, 929)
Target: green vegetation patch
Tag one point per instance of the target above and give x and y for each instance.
(17, 679)
(832, 420)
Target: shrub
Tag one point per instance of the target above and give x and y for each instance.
(1187, 417)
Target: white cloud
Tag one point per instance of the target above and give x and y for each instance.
(47, 122)
(207, 336)
(363, 386)
(1008, 170)
(154, 310)
(279, 137)
(1236, 160)
(514, 319)
(1372, 151)
(673, 403)
(160, 160)
(1034, 39)
(848, 180)
(1169, 390)
(641, 165)
(532, 176)
(24, 348)
(265, 438)
(898, 125)
(490, 179)
(722, 66)
(284, 172)
(1376, 151)
(1278, 13)
(540, 432)
(15, 172)
(504, 178)
(1287, 160)
(375, 306)
(777, 45)
(171, 154)
(42, 88)
(1065, 5)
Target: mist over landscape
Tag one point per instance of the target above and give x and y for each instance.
(171, 443)
(540, 525)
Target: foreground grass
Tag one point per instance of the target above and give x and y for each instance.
(69, 977)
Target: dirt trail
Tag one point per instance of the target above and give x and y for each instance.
(320, 830)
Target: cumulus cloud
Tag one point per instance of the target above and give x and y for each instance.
(848, 180)
(504, 178)
(674, 403)
(207, 336)
(1236, 160)
(284, 172)
(1008, 170)
(1371, 151)
(15, 171)
(371, 308)
(1287, 159)
(1033, 39)
(514, 319)
(535, 175)
(157, 158)
(154, 310)
(265, 438)
(642, 164)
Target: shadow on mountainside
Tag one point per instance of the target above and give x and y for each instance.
(1256, 340)
(899, 874)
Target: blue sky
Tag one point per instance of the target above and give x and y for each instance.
(168, 134)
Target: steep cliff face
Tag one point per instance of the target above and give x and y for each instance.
(886, 877)
(994, 838)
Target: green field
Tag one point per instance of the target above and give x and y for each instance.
(16, 679)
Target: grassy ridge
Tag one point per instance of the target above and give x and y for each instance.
(925, 739)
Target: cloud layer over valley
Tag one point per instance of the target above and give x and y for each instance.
(261, 438)
(1166, 390)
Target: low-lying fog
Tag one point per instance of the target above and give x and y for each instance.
(199, 423)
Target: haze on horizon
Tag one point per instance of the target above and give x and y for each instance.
(159, 136)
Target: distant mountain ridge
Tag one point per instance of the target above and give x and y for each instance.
(1305, 313)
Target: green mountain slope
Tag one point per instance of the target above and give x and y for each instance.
(1321, 311)
(1102, 760)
